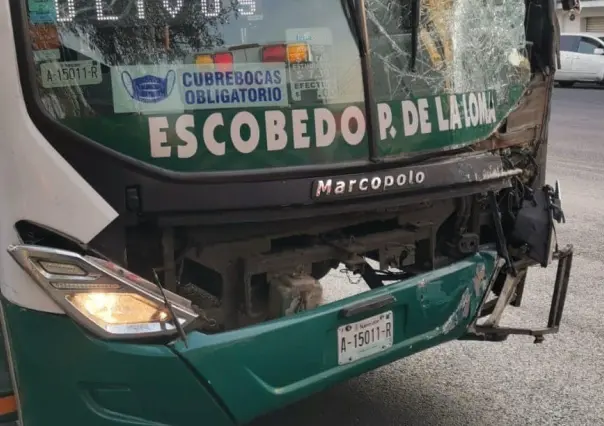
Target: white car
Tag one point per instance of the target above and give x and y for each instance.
(581, 58)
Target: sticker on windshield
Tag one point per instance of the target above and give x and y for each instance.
(42, 11)
(187, 87)
(47, 55)
(44, 37)
(73, 73)
(146, 89)
(315, 74)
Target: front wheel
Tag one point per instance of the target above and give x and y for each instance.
(566, 83)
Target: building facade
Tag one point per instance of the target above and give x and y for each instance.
(591, 18)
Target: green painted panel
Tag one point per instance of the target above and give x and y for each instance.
(68, 378)
(438, 122)
(214, 141)
(277, 363)
(132, 135)
(6, 385)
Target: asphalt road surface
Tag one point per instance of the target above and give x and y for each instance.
(561, 381)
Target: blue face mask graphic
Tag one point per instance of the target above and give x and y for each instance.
(149, 89)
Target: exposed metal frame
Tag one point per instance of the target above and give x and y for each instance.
(490, 330)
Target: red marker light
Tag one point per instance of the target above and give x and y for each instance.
(276, 53)
(223, 61)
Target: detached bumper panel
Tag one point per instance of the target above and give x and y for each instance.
(264, 367)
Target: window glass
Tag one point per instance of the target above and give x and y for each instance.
(568, 43)
(135, 69)
(587, 46)
(221, 85)
(125, 56)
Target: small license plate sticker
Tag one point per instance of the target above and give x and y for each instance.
(74, 73)
(47, 55)
(364, 338)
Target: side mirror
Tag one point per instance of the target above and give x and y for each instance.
(598, 51)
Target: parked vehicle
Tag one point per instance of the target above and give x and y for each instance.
(581, 59)
(178, 176)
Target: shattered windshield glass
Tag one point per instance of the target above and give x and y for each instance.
(221, 85)
(463, 46)
(468, 68)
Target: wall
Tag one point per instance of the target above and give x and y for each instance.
(589, 8)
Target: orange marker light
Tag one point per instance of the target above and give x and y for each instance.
(8, 404)
(204, 61)
(294, 53)
(297, 52)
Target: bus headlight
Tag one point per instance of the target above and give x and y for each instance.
(103, 297)
(117, 311)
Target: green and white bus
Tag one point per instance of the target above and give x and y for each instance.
(179, 176)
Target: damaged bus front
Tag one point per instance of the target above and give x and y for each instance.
(178, 176)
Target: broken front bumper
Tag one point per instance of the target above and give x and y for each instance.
(67, 377)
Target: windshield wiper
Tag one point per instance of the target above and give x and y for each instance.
(352, 16)
(416, 6)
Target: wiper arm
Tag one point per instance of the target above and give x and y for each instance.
(352, 16)
(416, 6)
(175, 321)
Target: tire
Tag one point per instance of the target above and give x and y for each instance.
(566, 83)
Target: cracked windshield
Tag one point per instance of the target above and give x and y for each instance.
(211, 85)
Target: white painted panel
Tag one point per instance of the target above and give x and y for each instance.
(36, 183)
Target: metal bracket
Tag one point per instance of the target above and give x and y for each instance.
(490, 330)
(502, 246)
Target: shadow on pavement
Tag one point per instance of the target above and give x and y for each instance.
(354, 403)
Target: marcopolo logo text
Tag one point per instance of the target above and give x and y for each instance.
(358, 185)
